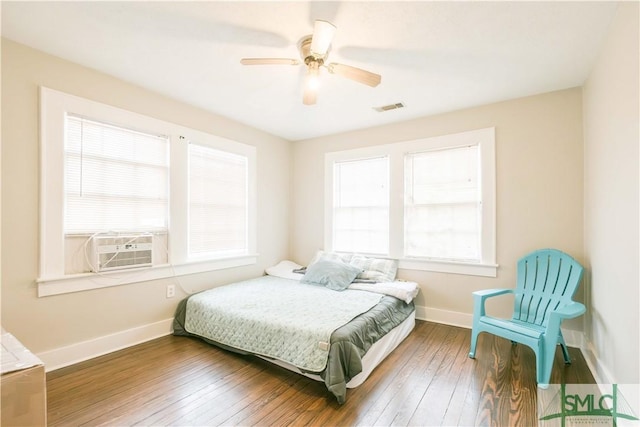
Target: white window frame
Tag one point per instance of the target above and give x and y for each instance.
(485, 139)
(52, 280)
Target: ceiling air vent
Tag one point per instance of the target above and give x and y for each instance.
(389, 107)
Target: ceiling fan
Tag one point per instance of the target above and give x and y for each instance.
(314, 50)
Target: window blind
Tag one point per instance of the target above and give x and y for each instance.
(443, 204)
(218, 202)
(116, 179)
(361, 206)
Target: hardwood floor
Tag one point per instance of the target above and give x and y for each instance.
(428, 380)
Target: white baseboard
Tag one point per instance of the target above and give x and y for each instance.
(446, 317)
(600, 372)
(79, 352)
(465, 320)
(574, 338)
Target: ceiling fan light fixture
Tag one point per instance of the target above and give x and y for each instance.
(312, 80)
(323, 33)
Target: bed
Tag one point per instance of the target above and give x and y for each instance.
(337, 336)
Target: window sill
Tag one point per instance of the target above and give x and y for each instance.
(82, 282)
(467, 268)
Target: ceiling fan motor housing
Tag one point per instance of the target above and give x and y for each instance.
(304, 45)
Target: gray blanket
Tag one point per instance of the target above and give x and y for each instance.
(349, 343)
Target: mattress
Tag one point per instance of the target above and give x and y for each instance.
(349, 344)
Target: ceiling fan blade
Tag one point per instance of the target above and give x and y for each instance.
(323, 33)
(269, 61)
(359, 75)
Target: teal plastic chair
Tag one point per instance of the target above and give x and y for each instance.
(546, 282)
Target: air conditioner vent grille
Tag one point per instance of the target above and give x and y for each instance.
(121, 252)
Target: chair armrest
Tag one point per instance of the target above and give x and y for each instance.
(569, 311)
(488, 293)
(479, 298)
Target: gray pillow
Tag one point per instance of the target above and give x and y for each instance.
(334, 275)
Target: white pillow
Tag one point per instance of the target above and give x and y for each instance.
(373, 269)
(329, 256)
(284, 269)
(377, 269)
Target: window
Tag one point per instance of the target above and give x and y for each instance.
(442, 204)
(434, 202)
(217, 202)
(361, 206)
(115, 178)
(109, 172)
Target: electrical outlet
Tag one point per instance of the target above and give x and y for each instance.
(171, 291)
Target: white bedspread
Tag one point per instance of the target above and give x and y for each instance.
(277, 318)
(405, 291)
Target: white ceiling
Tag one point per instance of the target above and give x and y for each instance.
(433, 56)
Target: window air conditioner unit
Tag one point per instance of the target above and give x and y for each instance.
(117, 252)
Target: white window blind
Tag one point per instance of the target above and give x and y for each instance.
(443, 204)
(361, 206)
(115, 179)
(218, 202)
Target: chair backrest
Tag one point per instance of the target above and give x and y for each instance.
(547, 280)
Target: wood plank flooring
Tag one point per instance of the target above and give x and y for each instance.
(428, 380)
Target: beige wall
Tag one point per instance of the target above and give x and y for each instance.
(48, 323)
(611, 201)
(540, 172)
(539, 187)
